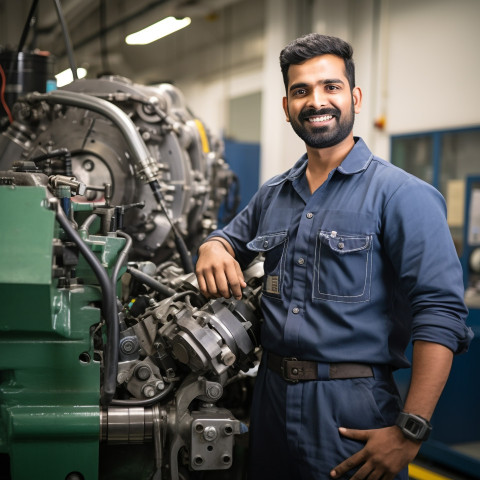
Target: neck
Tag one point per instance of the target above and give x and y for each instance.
(321, 161)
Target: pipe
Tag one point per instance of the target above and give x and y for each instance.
(148, 166)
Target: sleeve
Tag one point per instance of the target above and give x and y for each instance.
(419, 244)
(242, 228)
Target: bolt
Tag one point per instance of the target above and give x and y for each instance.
(214, 391)
(148, 391)
(143, 372)
(127, 346)
(227, 429)
(210, 434)
(228, 358)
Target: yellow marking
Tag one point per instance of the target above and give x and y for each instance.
(203, 136)
(420, 473)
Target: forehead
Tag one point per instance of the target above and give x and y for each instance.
(317, 68)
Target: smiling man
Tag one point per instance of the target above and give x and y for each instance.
(358, 261)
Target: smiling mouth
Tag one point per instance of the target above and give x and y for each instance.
(320, 119)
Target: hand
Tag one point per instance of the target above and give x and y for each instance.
(386, 452)
(218, 273)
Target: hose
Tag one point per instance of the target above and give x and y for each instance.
(150, 282)
(109, 306)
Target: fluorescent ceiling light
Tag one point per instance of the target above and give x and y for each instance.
(66, 77)
(157, 30)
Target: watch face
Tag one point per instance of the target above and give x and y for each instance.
(413, 426)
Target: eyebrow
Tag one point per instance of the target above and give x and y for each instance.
(327, 81)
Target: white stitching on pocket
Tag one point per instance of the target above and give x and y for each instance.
(321, 280)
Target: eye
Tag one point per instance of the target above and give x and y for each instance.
(332, 88)
(299, 92)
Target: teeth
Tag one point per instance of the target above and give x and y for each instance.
(324, 118)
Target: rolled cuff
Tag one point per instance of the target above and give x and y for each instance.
(451, 333)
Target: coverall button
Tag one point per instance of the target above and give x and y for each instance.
(340, 245)
(301, 261)
(265, 243)
(309, 215)
(295, 309)
(294, 371)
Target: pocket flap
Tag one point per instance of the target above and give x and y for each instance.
(346, 243)
(264, 243)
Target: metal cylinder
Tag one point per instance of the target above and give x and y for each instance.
(26, 72)
(126, 425)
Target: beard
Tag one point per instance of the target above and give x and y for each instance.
(327, 136)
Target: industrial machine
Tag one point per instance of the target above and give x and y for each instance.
(112, 364)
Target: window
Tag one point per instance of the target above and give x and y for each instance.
(444, 159)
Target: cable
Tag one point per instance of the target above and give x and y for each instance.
(103, 37)
(185, 256)
(147, 401)
(60, 152)
(26, 28)
(66, 37)
(2, 95)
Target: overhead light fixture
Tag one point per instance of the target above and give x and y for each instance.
(66, 77)
(158, 30)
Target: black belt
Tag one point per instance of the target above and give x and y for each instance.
(294, 370)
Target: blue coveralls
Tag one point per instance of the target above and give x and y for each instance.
(352, 272)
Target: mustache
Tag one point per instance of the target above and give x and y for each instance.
(312, 112)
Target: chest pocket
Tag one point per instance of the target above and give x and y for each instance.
(273, 246)
(343, 267)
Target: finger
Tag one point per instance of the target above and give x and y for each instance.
(360, 435)
(202, 285)
(212, 284)
(348, 464)
(219, 283)
(365, 472)
(235, 280)
(240, 275)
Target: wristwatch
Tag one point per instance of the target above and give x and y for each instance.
(413, 426)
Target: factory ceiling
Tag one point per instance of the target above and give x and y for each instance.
(97, 31)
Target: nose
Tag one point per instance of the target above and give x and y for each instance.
(318, 98)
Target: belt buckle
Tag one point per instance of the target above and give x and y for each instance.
(283, 368)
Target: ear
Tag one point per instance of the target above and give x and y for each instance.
(285, 108)
(357, 99)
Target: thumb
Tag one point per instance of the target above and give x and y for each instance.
(360, 435)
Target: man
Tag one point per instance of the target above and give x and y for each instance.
(358, 260)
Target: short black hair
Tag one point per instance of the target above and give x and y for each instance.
(312, 45)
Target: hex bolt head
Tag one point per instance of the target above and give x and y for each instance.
(128, 346)
(143, 372)
(214, 391)
(210, 433)
(148, 391)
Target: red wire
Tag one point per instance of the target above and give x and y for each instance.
(2, 95)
